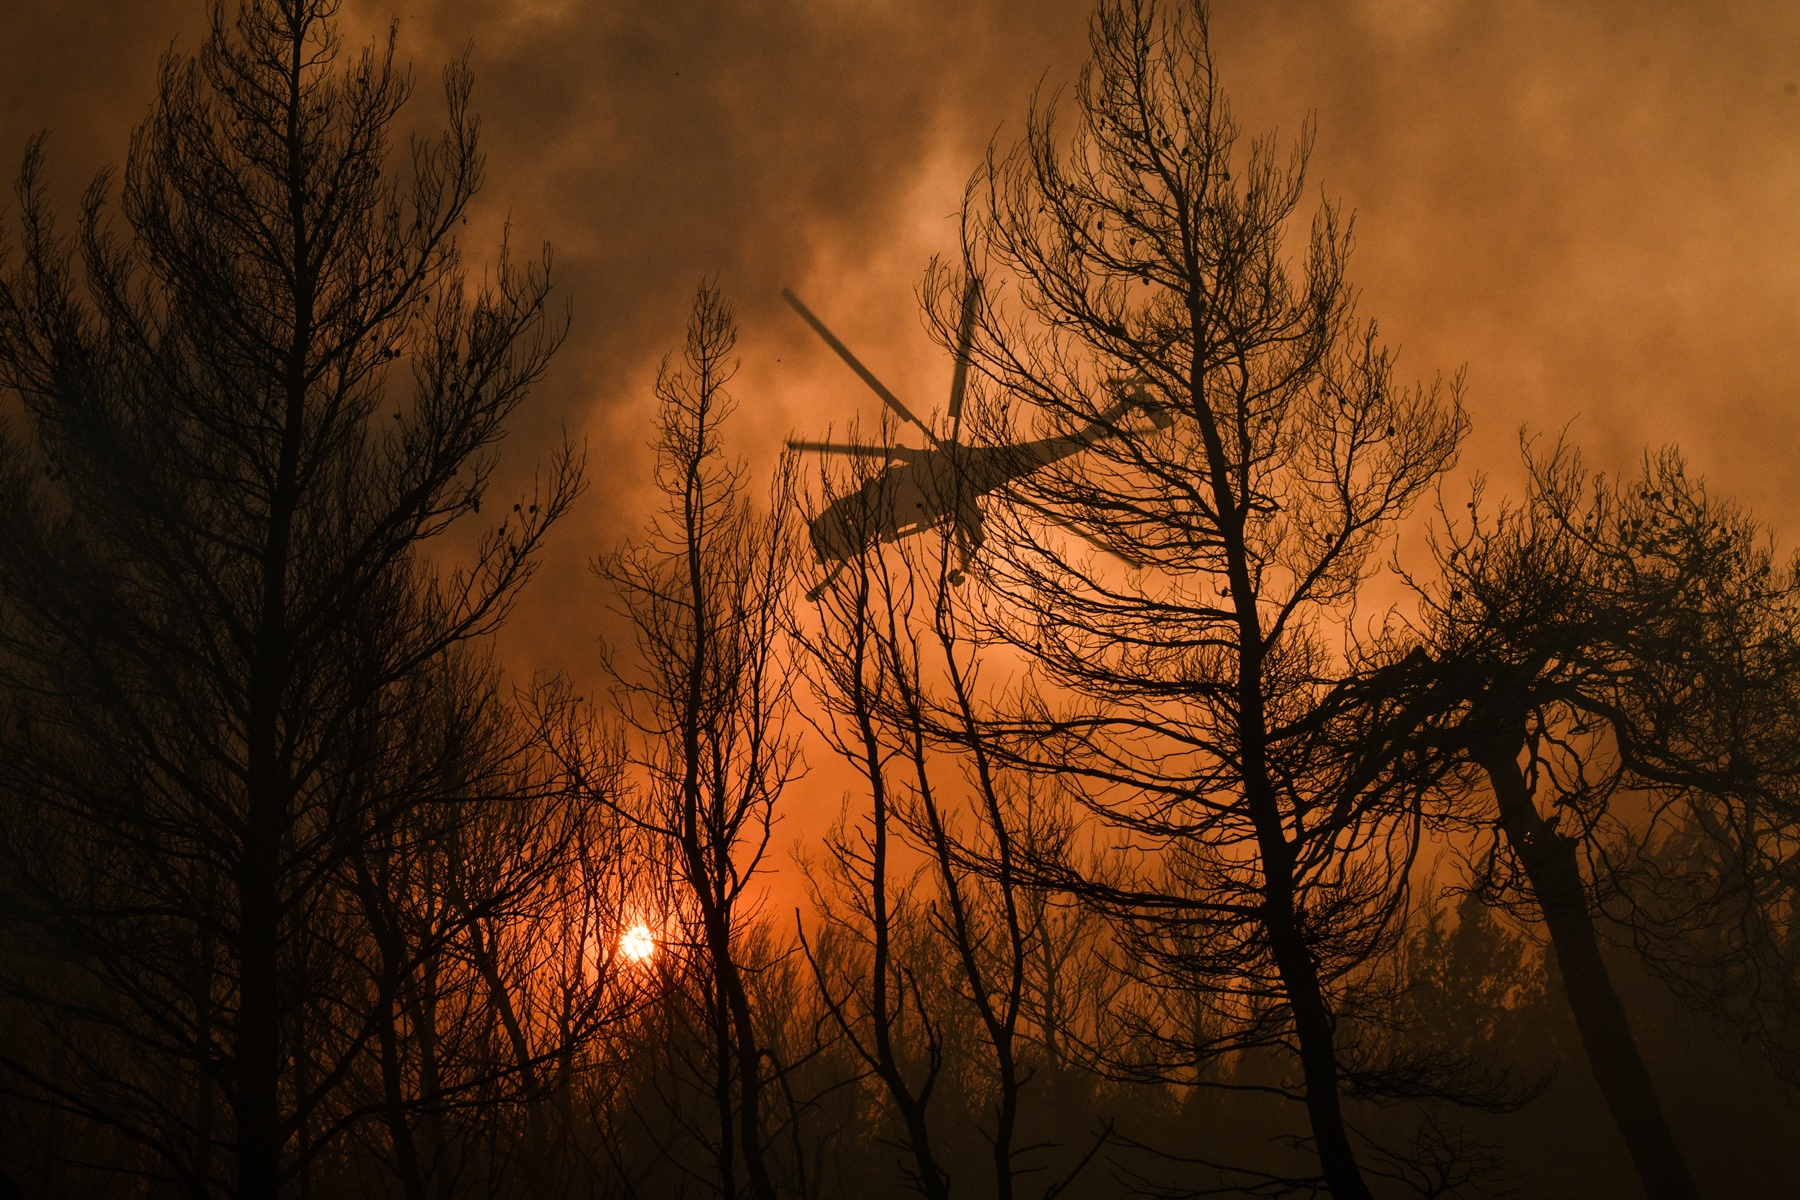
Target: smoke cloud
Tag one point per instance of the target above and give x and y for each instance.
(1592, 207)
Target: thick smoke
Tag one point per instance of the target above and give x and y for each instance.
(1592, 207)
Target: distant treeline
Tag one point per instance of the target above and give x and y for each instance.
(1177, 867)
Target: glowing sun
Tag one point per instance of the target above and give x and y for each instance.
(637, 944)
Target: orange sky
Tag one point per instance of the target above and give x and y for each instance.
(1595, 207)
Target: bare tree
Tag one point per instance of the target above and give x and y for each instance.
(707, 596)
(213, 574)
(897, 671)
(1200, 699)
(858, 893)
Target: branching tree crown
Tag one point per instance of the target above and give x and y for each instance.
(250, 406)
(707, 594)
(1621, 653)
(1203, 696)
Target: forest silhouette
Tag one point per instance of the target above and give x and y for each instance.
(1201, 844)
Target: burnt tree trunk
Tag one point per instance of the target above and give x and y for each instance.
(1554, 874)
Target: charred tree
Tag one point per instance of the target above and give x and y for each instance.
(1195, 699)
(860, 892)
(894, 667)
(707, 595)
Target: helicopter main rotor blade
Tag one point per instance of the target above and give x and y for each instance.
(843, 352)
(899, 453)
(960, 380)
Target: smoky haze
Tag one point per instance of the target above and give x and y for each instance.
(1594, 209)
(1590, 209)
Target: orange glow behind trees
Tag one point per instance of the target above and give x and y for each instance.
(638, 944)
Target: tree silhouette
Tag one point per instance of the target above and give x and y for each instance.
(707, 594)
(301, 897)
(895, 669)
(1622, 652)
(214, 583)
(1197, 698)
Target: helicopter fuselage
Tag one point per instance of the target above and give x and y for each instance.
(925, 487)
(931, 487)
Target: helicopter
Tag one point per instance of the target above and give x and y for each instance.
(924, 487)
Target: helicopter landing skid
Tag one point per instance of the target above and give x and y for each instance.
(818, 589)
